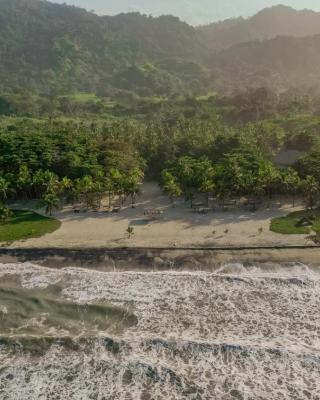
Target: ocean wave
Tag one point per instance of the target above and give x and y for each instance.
(242, 332)
(90, 368)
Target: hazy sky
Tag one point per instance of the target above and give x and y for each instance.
(194, 11)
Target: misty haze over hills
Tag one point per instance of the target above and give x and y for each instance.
(49, 47)
(266, 24)
(192, 11)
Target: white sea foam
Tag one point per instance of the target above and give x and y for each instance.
(243, 332)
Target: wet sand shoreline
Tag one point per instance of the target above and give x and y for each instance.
(164, 258)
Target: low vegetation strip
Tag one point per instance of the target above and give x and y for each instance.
(25, 224)
(299, 222)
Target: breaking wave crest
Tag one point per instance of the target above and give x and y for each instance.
(242, 332)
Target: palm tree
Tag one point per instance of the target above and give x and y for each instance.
(46, 182)
(90, 191)
(24, 181)
(114, 183)
(311, 190)
(206, 175)
(207, 187)
(109, 187)
(170, 186)
(50, 201)
(66, 184)
(130, 231)
(84, 188)
(5, 213)
(52, 182)
(132, 184)
(267, 177)
(292, 183)
(66, 189)
(4, 189)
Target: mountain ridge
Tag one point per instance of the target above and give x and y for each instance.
(267, 24)
(195, 12)
(47, 48)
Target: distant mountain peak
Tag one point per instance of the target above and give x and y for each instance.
(281, 11)
(268, 23)
(276, 8)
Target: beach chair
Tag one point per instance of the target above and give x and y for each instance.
(153, 213)
(204, 210)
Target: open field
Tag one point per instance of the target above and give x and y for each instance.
(177, 227)
(299, 222)
(24, 224)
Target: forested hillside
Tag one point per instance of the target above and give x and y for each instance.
(280, 63)
(48, 47)
(49, 50)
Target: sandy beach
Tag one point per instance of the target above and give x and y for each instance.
(176, 227)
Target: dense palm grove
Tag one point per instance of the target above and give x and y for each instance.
(63, 162)
(91, 106)
(214, 146)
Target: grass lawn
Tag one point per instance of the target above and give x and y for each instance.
(289, 224)
(27, 224)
